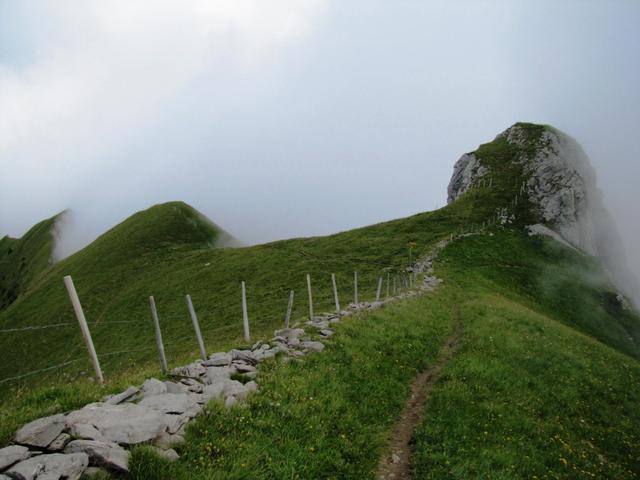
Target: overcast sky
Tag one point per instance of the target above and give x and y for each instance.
(299, 117)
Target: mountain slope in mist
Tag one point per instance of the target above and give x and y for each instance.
(23, 259)
(167, 251)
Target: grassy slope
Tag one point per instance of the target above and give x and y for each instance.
(114, 284)
(527, 396)
(115, 275)
(23, 259)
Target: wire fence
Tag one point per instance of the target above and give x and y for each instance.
(265, 307)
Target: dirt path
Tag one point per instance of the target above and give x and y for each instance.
(396, 464)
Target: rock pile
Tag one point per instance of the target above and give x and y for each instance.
(99, 435)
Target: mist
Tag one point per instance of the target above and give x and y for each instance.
(298, 118)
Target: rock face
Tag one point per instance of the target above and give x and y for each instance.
(465, 172)
(561, 187)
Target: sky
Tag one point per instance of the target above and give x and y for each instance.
(299, 117)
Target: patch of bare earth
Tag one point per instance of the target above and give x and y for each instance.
(396, 463)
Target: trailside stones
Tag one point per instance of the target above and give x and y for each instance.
(313, 346)
(218, 360)
(101, 454)
(121, 397)
(11, 455)
(51, 467)
(169, 403)
(59, 443)
(152, 387)
(126, 424)
(41, 432)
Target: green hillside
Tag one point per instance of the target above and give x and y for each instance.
(552, 310)
(22, 259)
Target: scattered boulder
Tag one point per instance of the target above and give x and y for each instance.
(153, 387)
(192, 385)
(85, 431)
(126, 424)
(41, 432)
(12, 454)
(121, 397)
(59, 443)
(169, 403)
(194, 370)
(214, 373)
(313, 346)
(218, 360)
(173, 387)
(245, 356)
(52, 466)
(102, 454)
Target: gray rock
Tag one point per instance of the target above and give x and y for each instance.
(126, 424)
(153, 387)
(85, 431)
(243, 367)
(313, 346)
(250, 375)
(251, 386)
(101, 454)
(59, 443)
(233, 388)
(194, 370)
(176, 423)
(215, 390)
(168, 403)
(41, 432)
(214, 373)
(12, 454)
(192, 385)
(245, 356)
(218, 360)
(51, 466)
(173, 387)
(167, 441)
(289, 333)
(169, 454)
(326, 332)
(121, 397)
(395, 458)
(230, 402)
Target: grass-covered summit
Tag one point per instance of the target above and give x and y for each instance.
(553, 308)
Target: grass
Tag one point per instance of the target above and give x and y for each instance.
(548, 353)
(528, 395)
(531, 396)
(327, 417)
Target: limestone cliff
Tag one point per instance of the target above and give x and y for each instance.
(560, 186)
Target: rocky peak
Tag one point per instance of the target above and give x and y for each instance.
(560, 186)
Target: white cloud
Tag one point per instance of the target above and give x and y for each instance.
(113, 63)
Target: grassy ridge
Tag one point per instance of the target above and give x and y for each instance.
(325, 418)
(526, 396)
(23, 259)
(532, 397)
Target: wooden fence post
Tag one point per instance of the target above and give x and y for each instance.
(289, 308)
(335, 292)
(310, 297)
(245, 314)
(196, 327)
(159, 344)
(84, 328)
(378, 291)
(388, 285)
(355, 287)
